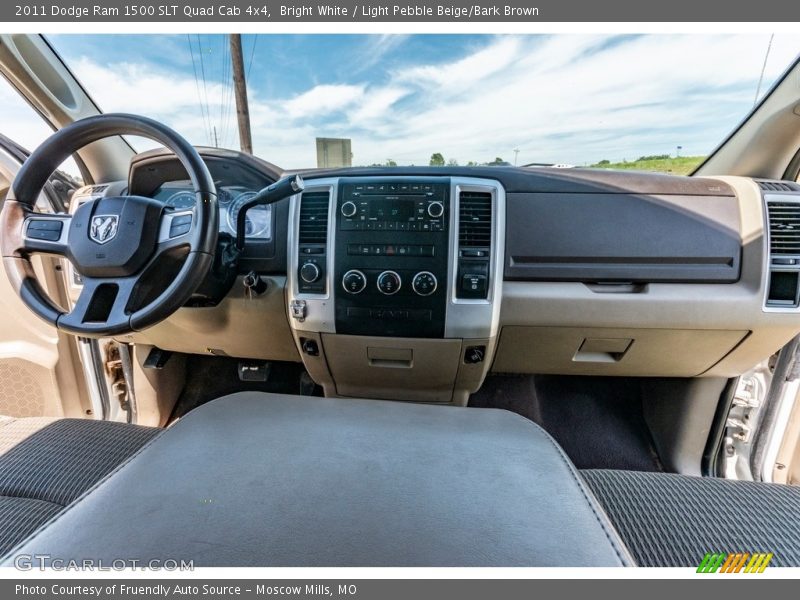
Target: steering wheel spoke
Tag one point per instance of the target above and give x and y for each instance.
(176, 229)
(46, 233)
(102, 304)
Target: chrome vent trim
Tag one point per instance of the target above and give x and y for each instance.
(313, 223)
(475, 220)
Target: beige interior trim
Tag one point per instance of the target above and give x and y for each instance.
(719, 330)
(612, 351)
(422, 370)
(40, 369)
(787, 462)
(239, 326)
(156, 390)
(35, 70)
(765, 144)
(417, 370)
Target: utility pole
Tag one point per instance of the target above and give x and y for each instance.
(216, 139)
(516, 154)
(240, 87)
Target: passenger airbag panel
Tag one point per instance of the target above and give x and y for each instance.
(622, 237)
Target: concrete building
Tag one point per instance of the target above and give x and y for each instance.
(334, 152)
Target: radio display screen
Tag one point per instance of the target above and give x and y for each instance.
(392, 208)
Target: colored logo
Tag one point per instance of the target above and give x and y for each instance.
(738, 562)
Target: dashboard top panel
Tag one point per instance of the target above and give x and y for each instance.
(549, 180)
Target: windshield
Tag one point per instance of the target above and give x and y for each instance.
(655, 102)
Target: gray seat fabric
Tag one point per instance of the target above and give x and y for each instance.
(45, 464)
(669, 520)
(258, 479)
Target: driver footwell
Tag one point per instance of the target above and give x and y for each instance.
(210, 377)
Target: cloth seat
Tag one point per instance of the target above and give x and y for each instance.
(669, 520)
(46, 464)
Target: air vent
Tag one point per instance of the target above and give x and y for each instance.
(314, 218)
(779, 186)
(784, 228)
(91, 190)
(474, 244)
(475, 220)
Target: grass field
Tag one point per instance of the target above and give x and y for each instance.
(678, 166)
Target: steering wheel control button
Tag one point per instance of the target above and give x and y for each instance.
(424, 283)
(349, 209)
(389, 283)
(44, 229)
(180, 225)
(354, 282)
(435, 209)
(309, 272)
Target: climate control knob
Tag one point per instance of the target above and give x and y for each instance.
(354, 282)
(424, 283)
(389, 283)
(349, 209)
(435, 209)
(309, 272)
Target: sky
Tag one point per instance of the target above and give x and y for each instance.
(574, 99)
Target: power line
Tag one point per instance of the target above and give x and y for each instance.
(230, 114)
(224, 88)
(206, 119)
(221, 91)
(205, 86)
(252, 53)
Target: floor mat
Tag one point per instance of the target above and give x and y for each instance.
(210, 377)
(597, 420)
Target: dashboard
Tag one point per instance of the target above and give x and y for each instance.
(415, 282)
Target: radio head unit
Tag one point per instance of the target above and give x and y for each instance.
(393, 206)
(391, 259)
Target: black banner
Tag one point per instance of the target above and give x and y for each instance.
(732, 588)
(263, 11)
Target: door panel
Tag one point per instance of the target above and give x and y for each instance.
(39, 372)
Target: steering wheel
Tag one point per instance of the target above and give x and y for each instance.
(116, 244)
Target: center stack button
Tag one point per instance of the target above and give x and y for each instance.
(354, 282)
(389, 283)
(349, 209)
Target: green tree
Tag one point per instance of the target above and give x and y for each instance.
(437, 160)
(452, 162)
(496, 161)
(654, 157)
(391, 163)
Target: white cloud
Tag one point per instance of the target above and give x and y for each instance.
(455, 76)
(323, 99)
(376, 104)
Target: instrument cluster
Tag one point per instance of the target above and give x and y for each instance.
(180, 196)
